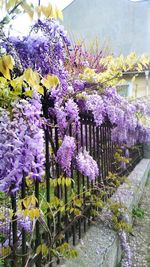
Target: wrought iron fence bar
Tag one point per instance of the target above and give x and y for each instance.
(24, 247)
(83, 178)
(37, 225)
(14, 230)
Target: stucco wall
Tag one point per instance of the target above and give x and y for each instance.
(123, 24)
(139, 86)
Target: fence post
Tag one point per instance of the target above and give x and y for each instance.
(14, 230)
(47, 160)
(24, 250)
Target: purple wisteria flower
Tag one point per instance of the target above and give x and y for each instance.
(72, 111)
(67, 114)
(78, 85)
(66, 153)
(95, 104)
(127, 153)
(21, 144)
(61, 117)
(6, 227)
(44, 50)
(87, 165)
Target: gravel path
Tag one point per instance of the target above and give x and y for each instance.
(140, 242)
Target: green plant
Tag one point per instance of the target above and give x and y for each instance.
(1, 262)
(148, 260)
(138, 212)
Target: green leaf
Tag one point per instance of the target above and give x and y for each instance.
(68, 182)
(40, 90)
(10, 4)
(50, 81)
(59, 181)
(63, 181)
(62, 209)
(28, 93)
(28, 9)
(32, 78)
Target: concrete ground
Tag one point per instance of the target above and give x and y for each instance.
(140, 242)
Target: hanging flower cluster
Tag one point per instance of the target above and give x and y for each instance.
(20, 132)
(66, 114)
(65, 153)
(87, 165)
(120, 113)
(44, 50)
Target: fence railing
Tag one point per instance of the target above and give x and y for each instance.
(72, 218)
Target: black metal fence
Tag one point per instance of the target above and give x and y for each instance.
(67, 219)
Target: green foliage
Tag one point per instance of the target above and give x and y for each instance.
(64, 250)
(12, 87)
(27, 207)
(119, 158)
(5, 252)
(43, 249)
(61, 181)
(1, 262)
(114, 67)
(138, 212)
(148, 260)
(114, 181)
(50, 81)
(118, 210)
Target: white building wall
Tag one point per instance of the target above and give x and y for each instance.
(122, 24)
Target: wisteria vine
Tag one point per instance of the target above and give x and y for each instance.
(45, 50)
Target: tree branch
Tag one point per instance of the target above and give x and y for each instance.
(2, 22)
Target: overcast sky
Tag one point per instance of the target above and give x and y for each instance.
(61, 3)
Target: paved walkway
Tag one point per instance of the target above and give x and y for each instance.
(140, 242)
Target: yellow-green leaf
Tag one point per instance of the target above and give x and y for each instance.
(6, 64)
(26, 202)
(40, 90)
(63, 181)
(59, 181)
(68, 182)
(5, 251)
(62, 209)
(38, 11)
(50, 81)
(139, 67)
(8, 61)
(28, 9)
(47, 11)
(43, 249)
(31, 77)
(4, 71)
(34, 213)
(59, 13)
(2, 217)
(10, 4)
(17, 83)
(28, 93)
(3, 80)
(39, 249)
